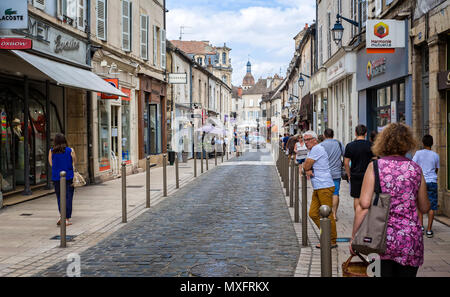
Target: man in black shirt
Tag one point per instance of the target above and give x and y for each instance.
(359, 152)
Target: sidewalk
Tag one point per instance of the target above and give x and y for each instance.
(437, 249)
(26, 229)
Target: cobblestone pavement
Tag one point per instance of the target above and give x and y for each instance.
(233, 214)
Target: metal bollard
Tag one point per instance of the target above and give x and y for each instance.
(296, 195)
(124, 192)
(325, 241)
(177, 173)
(291, 183)
(207, 161)
(201, 162)
(62, 207)
(195, 163)
(304, 210)
(164, 175)
(286, 182)
(147, 182)
(222, 155)
(282, 168)
(215, 158)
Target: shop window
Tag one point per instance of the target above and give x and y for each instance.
(103, 134)
(401, 96)
(126, 121)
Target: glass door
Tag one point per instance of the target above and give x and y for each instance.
(115, 130)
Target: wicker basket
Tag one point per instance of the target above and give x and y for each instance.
(355, 269)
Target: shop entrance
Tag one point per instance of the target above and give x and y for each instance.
(12, 144)
(115, 130)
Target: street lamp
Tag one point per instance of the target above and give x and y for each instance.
(338, 29)
(301, 80)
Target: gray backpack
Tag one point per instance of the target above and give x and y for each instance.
(371, 235)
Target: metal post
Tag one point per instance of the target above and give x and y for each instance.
(195, 163)
(62, 208)
(296, 194)
(147, 182)
(286, 172)
(325, 241)
(291, 183)
(164, 175)
(215, 157)
(304, 210)
(207, 160)
(177, 175)
(201, 162)
(223, 152)
(124, 192)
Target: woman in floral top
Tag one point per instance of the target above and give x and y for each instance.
(404, 181)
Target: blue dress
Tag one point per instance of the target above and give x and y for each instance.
(62, 162)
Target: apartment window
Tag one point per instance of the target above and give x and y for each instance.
(200, 60)
(163, 48)
(224, 79)
(71, 12)
(354, 15)
(251, 102)
(378, 7)
(126, 25)
(364, 12)
(101, 19)
(39, 4)
(388, 2)
(144, 37)
(224, 58)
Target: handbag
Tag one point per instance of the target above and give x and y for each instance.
(355, 269)
(371, 235)
(78, 180)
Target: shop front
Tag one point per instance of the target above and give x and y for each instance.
(305, 121)
(152, 119)
(43, 91)
(384, 89)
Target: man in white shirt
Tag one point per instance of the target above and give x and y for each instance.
(317, 168)
(429, 162)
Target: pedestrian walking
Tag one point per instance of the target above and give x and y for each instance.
(335, 151)
(359, 153)
(62, 158)
(403, 180)
(429, 162)
(317, 168)
(301, 151)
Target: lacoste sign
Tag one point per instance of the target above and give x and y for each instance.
(13, 14)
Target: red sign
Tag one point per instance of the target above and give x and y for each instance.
(15, 43)
(128, 92)
(115, 83)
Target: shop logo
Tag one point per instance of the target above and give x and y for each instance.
(375, 68)
(11, 15)
(381, 30)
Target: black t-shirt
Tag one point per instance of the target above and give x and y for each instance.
(360, 154)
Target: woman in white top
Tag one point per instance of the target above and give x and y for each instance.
(300, 150)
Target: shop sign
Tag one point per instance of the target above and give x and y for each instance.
(375, 68)
(385, 34)
(115, 83)
(15, 43)
(13, 14)
(177, 78)
(444, 80)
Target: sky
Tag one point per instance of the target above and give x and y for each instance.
(259, 30)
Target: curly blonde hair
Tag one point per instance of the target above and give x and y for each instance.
(395, 139)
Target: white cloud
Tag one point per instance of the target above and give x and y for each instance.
(264, 33)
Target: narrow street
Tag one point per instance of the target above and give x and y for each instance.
(231, 221)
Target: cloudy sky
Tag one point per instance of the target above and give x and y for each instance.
(261, 29)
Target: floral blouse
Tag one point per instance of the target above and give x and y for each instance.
(401, 178)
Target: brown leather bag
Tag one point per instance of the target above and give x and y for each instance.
(371, 235)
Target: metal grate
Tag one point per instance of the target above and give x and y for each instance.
(68, 237)
(135, 186)
(26, 214)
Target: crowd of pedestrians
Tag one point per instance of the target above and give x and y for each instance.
(408, 175)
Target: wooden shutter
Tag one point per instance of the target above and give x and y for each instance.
(81, 16)
(155, 45)
(126, 34)
(39, 4)
(101, 19)
(144, 37)
(163, 48)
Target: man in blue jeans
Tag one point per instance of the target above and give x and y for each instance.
(335, 151)
(429, 162)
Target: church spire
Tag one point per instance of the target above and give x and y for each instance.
(249, 67)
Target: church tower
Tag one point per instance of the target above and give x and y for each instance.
(249, 80)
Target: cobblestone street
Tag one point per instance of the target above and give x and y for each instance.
(234, 215)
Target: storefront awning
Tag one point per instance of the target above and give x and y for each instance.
(69, 76)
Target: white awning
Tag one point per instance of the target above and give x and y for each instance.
(69, 76)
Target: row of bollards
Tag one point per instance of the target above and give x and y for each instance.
(63, 188)
(290, 177)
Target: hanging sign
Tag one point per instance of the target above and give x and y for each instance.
(13, 14)
(385, 34)
(115, 83)
(177, 78)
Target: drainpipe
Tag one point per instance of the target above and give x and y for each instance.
(89, 97)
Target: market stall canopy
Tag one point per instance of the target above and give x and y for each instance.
(68, 76)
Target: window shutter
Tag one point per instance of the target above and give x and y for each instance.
(39, 4)
(378, 7)
(126, 25)
(81, 15)
(155, 45)
(163, 48)
(144, 37)
(101, 19)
